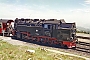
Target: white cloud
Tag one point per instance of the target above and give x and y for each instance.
(13, 11)
(87, 1)
(85, 5)
(81, 10)
(80, 16)
(17, 1)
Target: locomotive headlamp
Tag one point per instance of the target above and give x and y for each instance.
(36, 30)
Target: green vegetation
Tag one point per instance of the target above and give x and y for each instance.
(13, 52)
(83, 32)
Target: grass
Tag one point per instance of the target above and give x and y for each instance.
(13, 52)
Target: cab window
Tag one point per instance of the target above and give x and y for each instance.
(65, 31)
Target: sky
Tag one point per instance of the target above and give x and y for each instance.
(70, 10)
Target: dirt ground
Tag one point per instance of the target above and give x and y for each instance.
(82, 34)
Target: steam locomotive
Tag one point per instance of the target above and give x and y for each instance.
(50, 31)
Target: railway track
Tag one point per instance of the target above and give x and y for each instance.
(83, 37)
(84, 43)
(83, 47)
